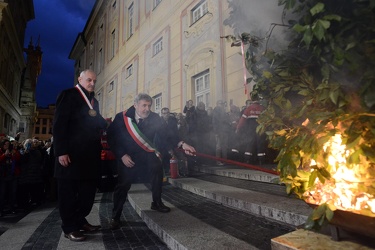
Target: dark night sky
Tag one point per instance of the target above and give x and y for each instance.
(58, 23)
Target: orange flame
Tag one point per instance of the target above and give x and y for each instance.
(343, 190)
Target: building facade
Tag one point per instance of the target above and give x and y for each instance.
(43, 125)
(18, 76)
(173, 50)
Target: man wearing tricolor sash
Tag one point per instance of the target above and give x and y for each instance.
(131, 137)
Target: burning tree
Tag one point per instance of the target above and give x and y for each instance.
(321, 103)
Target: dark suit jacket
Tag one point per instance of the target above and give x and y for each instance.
(77, 134)
(171, 133)
(152, 127)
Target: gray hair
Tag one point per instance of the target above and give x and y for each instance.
(142, 96)
(83, 72)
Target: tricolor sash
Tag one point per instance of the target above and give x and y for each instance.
(92, 111)
(139, 137)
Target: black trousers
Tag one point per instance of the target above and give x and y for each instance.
(147, 166)
(256, 144)
(76, 198)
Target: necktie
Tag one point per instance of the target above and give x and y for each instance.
(140, 120)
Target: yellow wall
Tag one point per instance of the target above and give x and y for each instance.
(188, 49)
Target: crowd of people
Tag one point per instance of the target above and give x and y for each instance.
(26, 174)
(224, 134)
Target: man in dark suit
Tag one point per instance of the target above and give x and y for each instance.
(170, 123)
(131, 137)
(76, 132)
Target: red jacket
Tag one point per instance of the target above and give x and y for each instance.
(9, 165)
(251, 112)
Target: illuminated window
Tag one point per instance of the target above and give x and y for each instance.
(100, 61)
(21, 127)
(130, 19)
(158, 103)
(202, 88)
(113, 43)
(158, 46)
(200, 10)
(111, 86)
(129, 70)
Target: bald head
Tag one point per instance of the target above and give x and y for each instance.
(87, 80)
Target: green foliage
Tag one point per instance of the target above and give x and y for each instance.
(322, 85)
(318, 217)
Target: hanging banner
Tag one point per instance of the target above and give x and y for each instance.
(244, 66)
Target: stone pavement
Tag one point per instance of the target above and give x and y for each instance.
(41, 229)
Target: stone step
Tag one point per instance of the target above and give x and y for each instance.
(284, 209)
(239, 172)
(196, 222)
(211, 211)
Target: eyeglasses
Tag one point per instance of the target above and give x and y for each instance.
(164, 113)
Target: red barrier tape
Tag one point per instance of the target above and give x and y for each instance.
(235, 163)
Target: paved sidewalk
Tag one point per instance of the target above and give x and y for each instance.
(41, 229)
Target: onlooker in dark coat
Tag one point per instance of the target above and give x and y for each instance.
(183, 132)
(31, 190)
(188, 110)
(200, 128)
(171, 128)
(9, 170)
(76, 133)
(182, 126)
(221, 126)
(49, 169)
(212, 139)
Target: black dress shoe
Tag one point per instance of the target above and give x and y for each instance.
(159, 206)
(90, 228)
(75, 236)
(115, 224)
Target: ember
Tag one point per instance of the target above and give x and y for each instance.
(346, 189)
